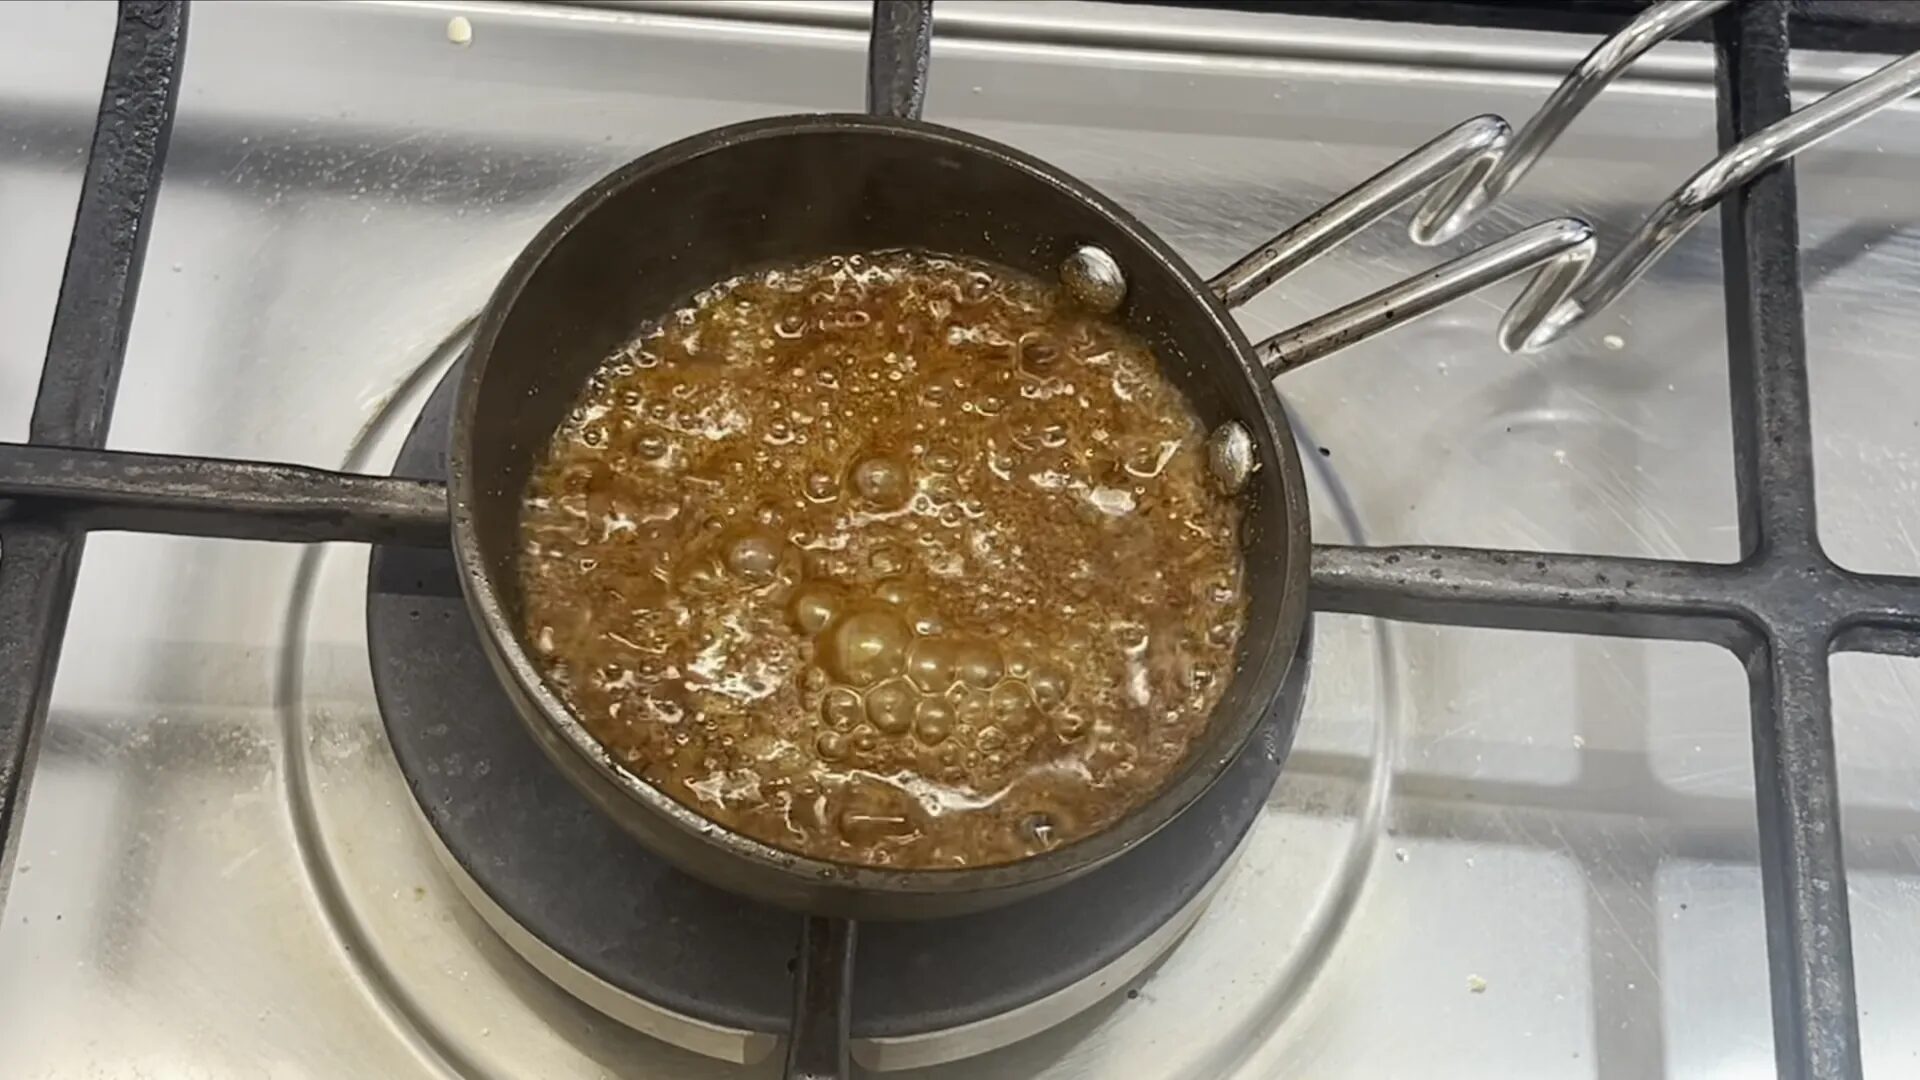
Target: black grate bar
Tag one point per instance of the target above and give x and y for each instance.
(38, 564)
(94, 311)
(119, 490)
(243, 500)
(1766, 331)
(1544, 591)
(1879, 613)
(85, 348)
(1816, 1028)
(898, 51)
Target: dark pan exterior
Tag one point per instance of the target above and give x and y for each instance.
(640, 241)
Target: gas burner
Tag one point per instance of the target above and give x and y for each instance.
(704, 969)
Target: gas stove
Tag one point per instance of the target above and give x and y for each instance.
(1490, 851)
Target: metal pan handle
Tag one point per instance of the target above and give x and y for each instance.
(818, 1045)
(1468, 167)
(1561, 249)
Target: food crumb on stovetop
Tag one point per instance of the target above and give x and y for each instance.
(1476, 984)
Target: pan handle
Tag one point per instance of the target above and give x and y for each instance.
(1561, 248)
(897, 56)
(1479, 160)
(818, 1043)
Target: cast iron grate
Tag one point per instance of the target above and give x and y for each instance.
(1782, 609)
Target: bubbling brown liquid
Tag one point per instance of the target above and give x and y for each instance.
(890, 559)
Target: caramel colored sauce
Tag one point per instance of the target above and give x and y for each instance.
(889, 559)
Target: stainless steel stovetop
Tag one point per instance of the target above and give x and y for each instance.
(1491, 853)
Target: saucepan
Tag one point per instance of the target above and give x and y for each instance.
(782, 190)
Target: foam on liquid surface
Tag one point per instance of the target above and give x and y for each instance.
(890, 559)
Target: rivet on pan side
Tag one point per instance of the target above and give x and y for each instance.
(1094, 279)
(1230, 457)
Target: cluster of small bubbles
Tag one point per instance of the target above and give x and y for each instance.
(890, 559)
